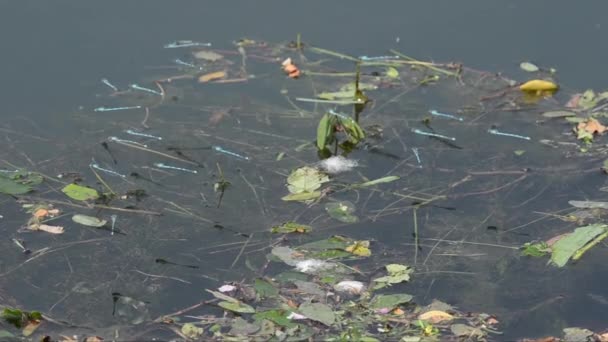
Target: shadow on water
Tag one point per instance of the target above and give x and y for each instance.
(488, 194)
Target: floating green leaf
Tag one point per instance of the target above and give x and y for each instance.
(303, 196)
(334, 242)
(192, 331)
(318, 312)
(566, 247)
(277, 316)
(390, 301)
(80, 193)
(342, 211)
(265, 289)
(239, 307)
(305, 179)
(90, 221)
(10, 187)
(291, 227)
(396, 274)
(535, 249)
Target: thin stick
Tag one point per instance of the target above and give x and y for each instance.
(182, 311)
(160, 276)
(99, 206)
(241, 251)
(156, 152)
(255, 194)
(416, 238)
(102, 181)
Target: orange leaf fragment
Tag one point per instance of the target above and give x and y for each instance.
(41, 213)
(435, 316)
(212, 76)
(592, 126)
(290, 69)
(398, 311)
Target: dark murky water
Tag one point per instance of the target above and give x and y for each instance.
(56, 53)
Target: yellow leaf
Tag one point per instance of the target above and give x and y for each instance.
(360, 248)
(435, 316)
(538, 86)
(212, 76)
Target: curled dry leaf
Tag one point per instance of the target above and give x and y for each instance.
(290, 69)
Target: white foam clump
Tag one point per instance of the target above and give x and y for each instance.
(337, 164)
(313, 265)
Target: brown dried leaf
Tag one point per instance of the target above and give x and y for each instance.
(212, 76)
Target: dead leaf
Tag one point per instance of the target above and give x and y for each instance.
(212, 76)
(592, 126)
(435, 316)
(208, 55)
(47, 228)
